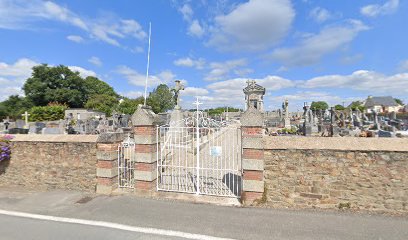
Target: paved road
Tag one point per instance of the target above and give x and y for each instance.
(218, 221)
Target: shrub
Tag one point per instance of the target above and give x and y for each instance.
(47, 113)
(5, 150)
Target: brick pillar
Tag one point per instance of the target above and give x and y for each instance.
(107, 166)
(144, 128)
(252, 122)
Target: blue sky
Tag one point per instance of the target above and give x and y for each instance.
(305, 50)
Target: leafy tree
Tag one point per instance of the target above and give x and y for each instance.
(161, 99)
(357, 104)
(102, 102)
(129, 106)
(319, 105)
(14, 106)
(47, 113)
(220, 110)
(55, 84)
(399, 101)
(339, 107)
(95, 86)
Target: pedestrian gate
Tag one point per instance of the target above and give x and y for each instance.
(200, 155)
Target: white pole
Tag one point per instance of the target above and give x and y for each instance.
(148, 64)
(197, 103)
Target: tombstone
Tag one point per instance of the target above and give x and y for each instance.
(18, 131)
(376, 123)
(20, 123)
(385, 134)
(52, 131)
(307, 124)
(393, 115)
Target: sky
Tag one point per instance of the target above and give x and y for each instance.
(305, 50)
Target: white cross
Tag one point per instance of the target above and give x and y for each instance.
(197, 103)
(25, 115)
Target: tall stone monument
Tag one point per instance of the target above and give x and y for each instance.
(176, 115)
(254, 95)
(285, 107)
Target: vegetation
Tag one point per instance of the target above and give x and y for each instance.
(399, 101)
(220, 110)
(319, 105)
(47, 113)
(5, 150)
(128, 106)
(14, 106)
(161, 99)
(339, 107)
(102, 103)
(357, 105)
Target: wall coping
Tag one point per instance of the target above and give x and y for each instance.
(335, 143)
(54, 138)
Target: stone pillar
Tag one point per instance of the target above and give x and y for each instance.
(145, 123)
(107, 166)
(252, 122)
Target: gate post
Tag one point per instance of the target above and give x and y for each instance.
(145, 123)
(252, 122)
(107, 165)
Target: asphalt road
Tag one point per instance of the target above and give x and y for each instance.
(209, 220)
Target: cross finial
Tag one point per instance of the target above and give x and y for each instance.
(197, 103)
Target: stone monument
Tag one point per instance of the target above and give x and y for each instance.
(254, 95)
(176, 115)
(285, 108)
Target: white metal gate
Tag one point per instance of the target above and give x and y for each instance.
(200, 155)
(126, 164)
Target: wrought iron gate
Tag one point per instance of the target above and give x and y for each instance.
(200, 155)
(126, 164)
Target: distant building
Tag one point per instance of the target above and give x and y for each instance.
(83, 114)
(254, 95)
(382, 104)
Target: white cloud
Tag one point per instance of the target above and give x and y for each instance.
(13, 76)
(320, 15)
(195, 29)
(313, 48)
(193, 91)
(189, 62)
(95, 61)
(252, 26)
(187, 12)
(132, 94)
(220, 70)
(21, 14)
(375, 10)
(82, 71)
(403, 66)
(363, 80)
(138, 79)
(75, 38)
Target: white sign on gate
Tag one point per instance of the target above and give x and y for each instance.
(216, 151)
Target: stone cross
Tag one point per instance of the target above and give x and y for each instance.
(179, 86)
(25, 115)
(249, 82)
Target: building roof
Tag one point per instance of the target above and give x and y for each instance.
(387, 101)
(253, 87)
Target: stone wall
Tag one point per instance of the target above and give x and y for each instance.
(44, 162)
(356, 173)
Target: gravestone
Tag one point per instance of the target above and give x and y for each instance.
(385, 134)
(20, 123)
(52, 131)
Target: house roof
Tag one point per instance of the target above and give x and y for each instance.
(253, 87)
(387, 101)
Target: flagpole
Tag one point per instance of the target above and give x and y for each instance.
(148, 64)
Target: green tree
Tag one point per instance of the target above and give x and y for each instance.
(55, 84)
(47, 113)
(103, 103)
(14, 106)
(129, 106)
(339, 107)
(161, 99)
(319, 105)
(357, 104)
(399, 101)
(94, 86)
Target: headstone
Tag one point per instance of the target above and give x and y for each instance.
(385, 134)
(20, 123)
(52, 131)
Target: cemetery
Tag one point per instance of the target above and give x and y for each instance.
(315, 159)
